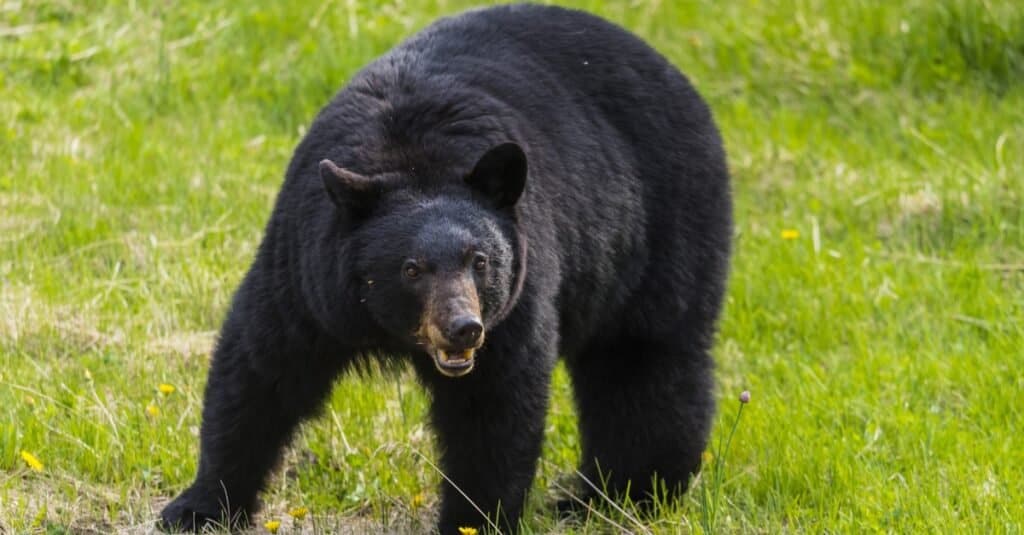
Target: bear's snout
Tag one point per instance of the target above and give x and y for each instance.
(452, 330)
(464, 332)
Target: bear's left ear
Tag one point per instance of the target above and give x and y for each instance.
(500, 175)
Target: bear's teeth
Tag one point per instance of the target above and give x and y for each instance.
(444, 357)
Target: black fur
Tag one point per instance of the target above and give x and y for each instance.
(614, 256)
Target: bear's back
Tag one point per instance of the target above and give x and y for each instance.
(580, 57)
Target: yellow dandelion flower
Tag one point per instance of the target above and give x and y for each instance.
(467, 531)
(166, 389)
(417, 501)
(707, 457)
(153, 410)
(272, 525)
(790, 234)
(298, 513)
(32, 461)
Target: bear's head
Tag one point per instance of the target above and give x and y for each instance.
(437, 269)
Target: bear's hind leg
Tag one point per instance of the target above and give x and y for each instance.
(645, 409)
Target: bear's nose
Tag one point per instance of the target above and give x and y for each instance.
(465, 331)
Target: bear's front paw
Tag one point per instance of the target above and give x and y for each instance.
(194, 510)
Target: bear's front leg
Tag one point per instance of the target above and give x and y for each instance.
(269, 372)
(490, 425)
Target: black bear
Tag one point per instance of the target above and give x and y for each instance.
(508, 186)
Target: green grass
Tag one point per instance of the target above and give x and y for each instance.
(143, 143)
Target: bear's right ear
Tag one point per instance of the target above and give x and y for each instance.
(500, 175)
(351, 191)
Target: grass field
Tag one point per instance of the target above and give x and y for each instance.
(876, 307)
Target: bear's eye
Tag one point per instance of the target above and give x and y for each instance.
(480, 262)
(411, 270)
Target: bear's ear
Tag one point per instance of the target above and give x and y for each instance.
(348, 190)
(500, 175)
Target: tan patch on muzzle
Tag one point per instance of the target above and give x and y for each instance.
(447, 300)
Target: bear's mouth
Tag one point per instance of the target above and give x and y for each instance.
(453, 365)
